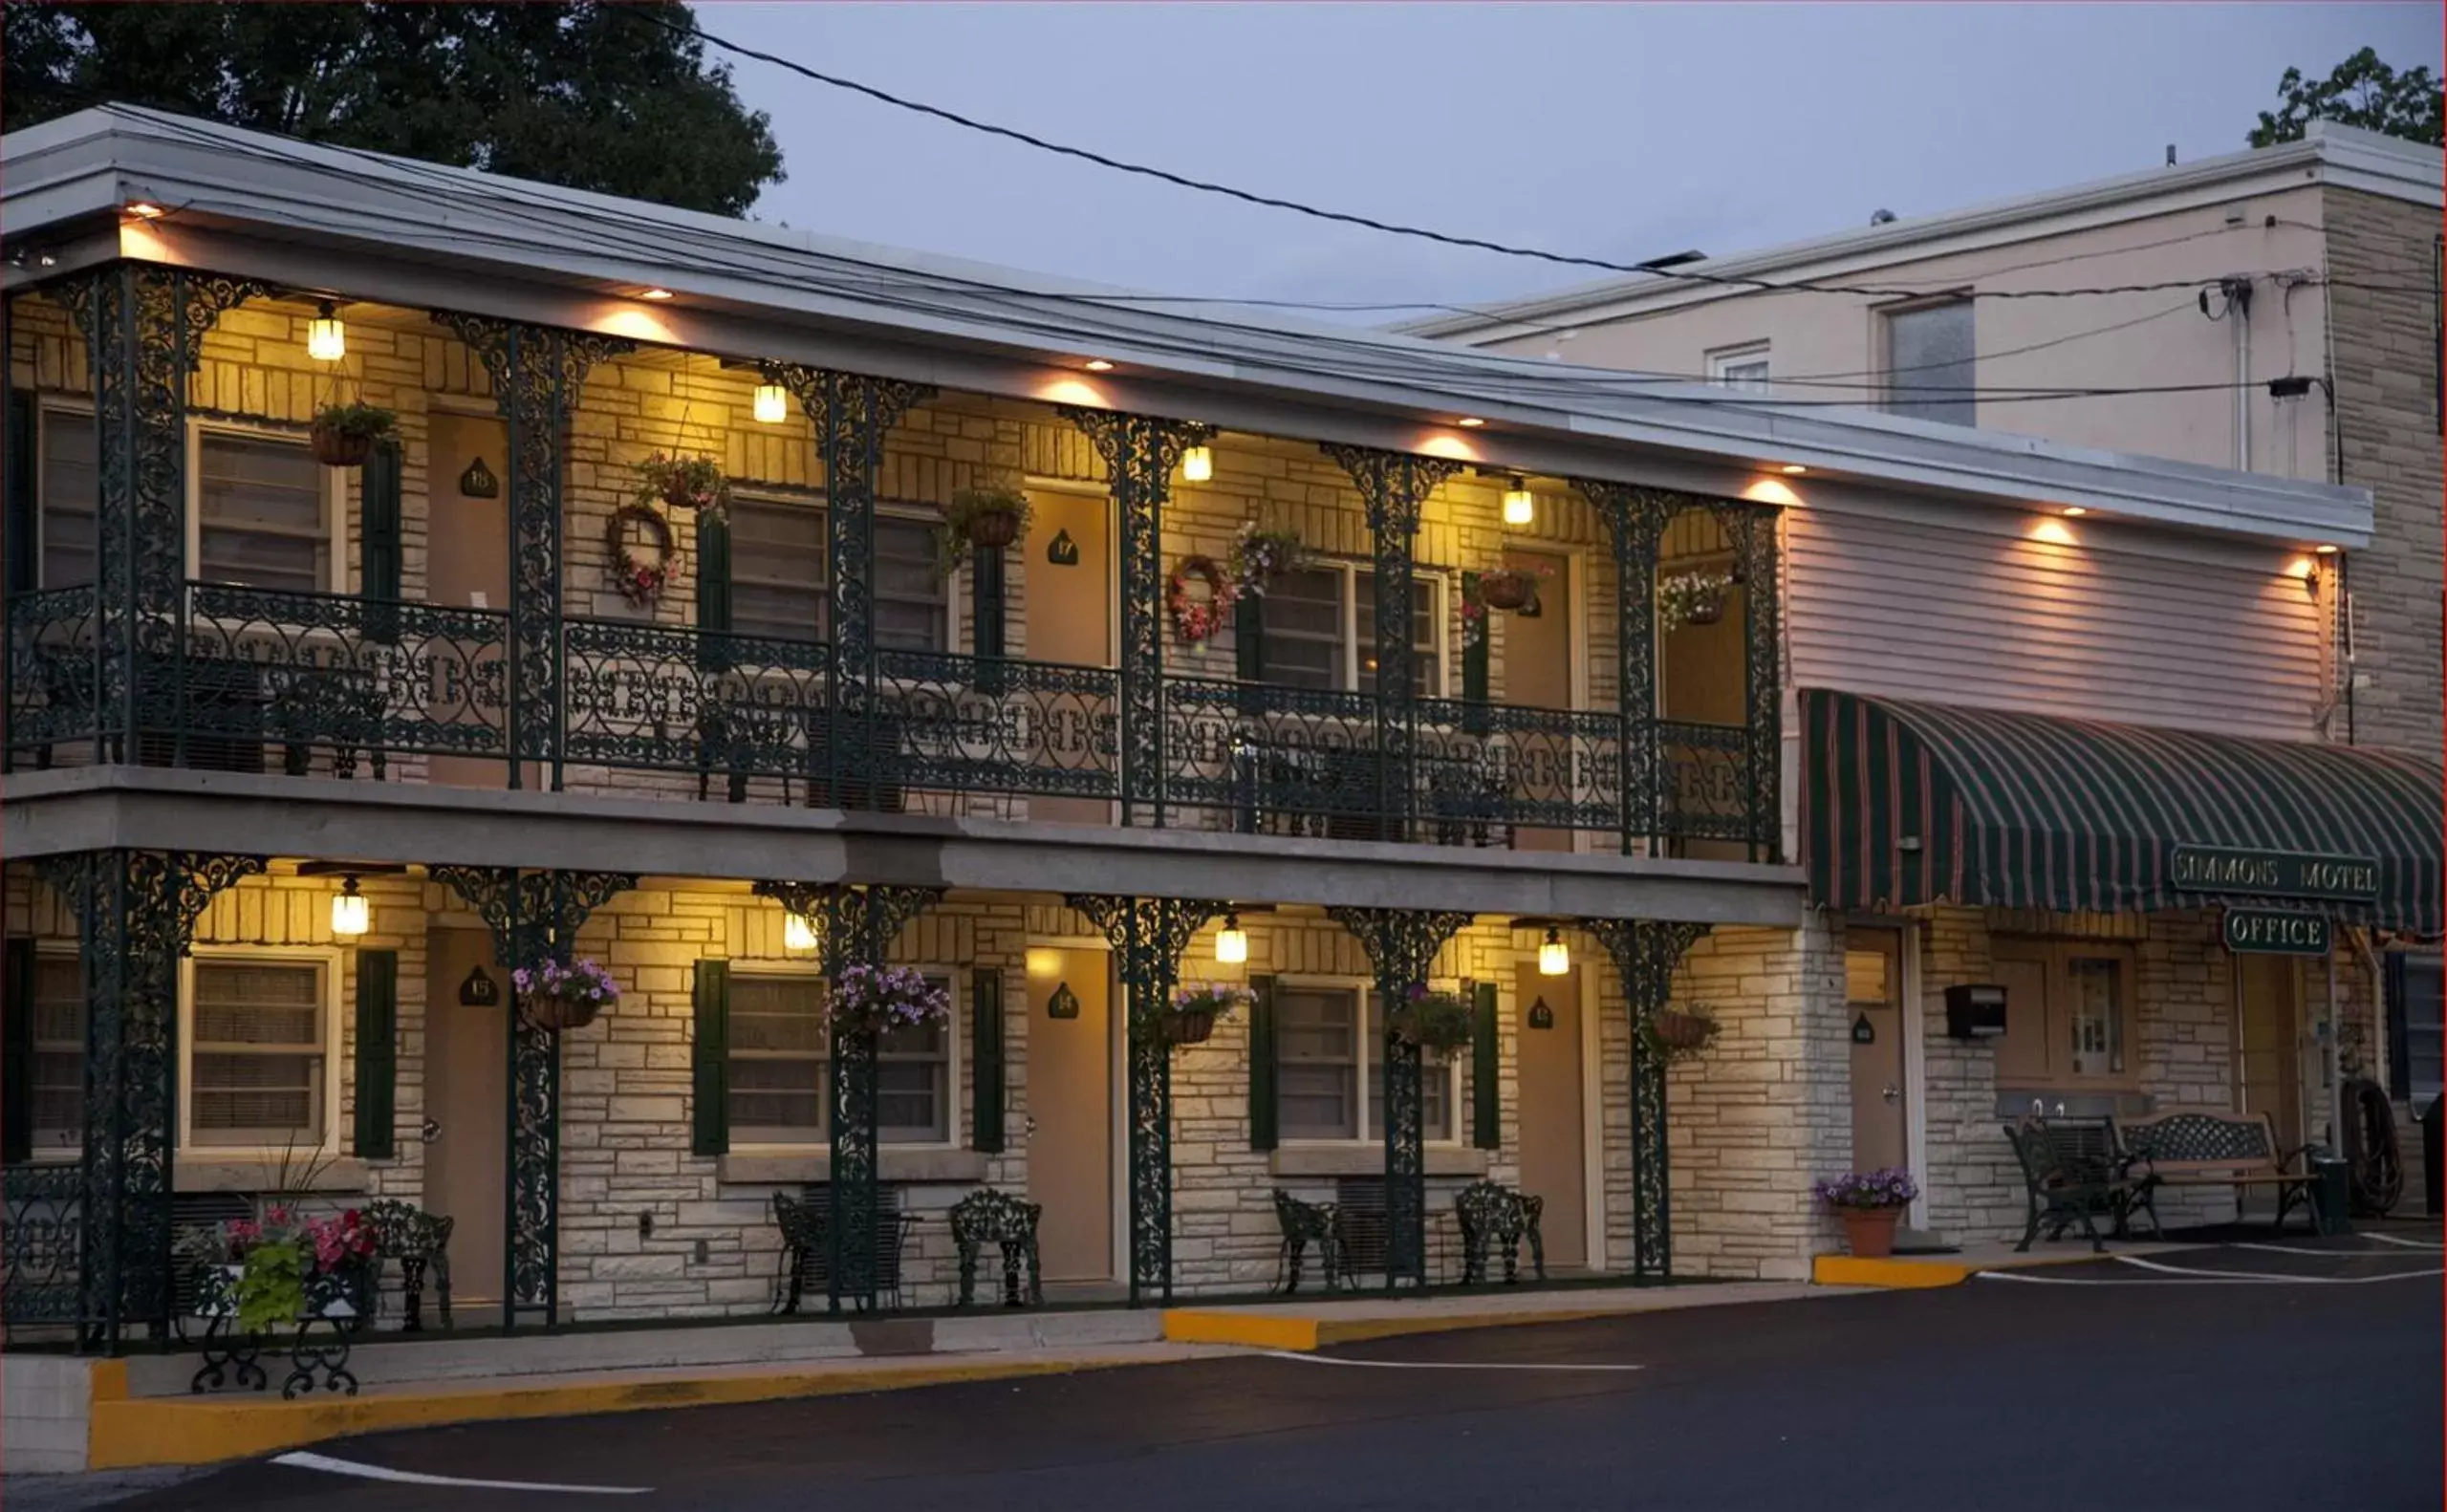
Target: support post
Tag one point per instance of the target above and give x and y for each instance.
(143, 326)
(1645, 952)
(1141, 452)
(1402, 945)
(1394, 485)
(135, 913)
(536, 373)
(1751, 527)
(851, 414)
(532, 915)
(1149, 934)
(1636, 520)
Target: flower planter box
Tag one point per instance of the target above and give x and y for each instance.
(555, 1014)
(1188, 1025)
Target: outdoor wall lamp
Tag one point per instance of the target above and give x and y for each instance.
(1520, 505)
(1198, 464)
(798, 932)
(1231, 941)
(326, 335)
(773, 404)
(1554, 960)
(350, 912)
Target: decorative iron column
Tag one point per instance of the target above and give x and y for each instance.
(532, 915)
(851, 414)
(860, 922)
(1149, 934)
(1402, 945)
(1751, 527)
(1394, 484)
(1141, 452)
(144, 327)
(135, 913)
(1635, 520)
(537, 373)
(1646, 951)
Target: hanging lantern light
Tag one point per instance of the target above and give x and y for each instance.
(1197, 464)
(326, 335)
(350, 913)
(798, 932)
(1520, 505)
(1231, 941)
(1553, 958)
(773, 404)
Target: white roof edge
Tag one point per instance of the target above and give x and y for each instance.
(2345, 156)
(70, 169)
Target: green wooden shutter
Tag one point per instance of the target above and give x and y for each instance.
(985, 596)
(378, 584)
(377, 1053)
(1248, 648)
(709, 1059)
(1474, 664)
(986, 1056)
(17, 1055)
(1487, 1106)
(713, 588)
(24, 566)
(1263, 1119)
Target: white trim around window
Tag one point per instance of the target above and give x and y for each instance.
(1744, 368)
(336, 577)
(1370, 1135)
(331, 958)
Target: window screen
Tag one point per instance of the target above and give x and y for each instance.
(70, 486)
(1930, 363)
(909, 598)
(777, 1055)
(777, 569)
(1317, 1040)
(59, 1053)
(1423, 678)
(258, 1046)
(261, 521)
(1304, 638)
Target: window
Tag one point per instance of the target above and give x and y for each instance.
(1320, 627)
(256, 1051)
(1320, 1044)
(1743, 369)
(2068, 1013)
(779, 1048)
(69, 487)
(59, 1053)
(261, 520)
(910, 606)
(1929, 362)
(777, 584)
(2417, 1021)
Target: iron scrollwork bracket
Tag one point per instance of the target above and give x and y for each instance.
(1402, 945)
(1394, 485)
(1645, 952)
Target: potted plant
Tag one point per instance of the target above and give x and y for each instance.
(877, 999)
(1196, 1006)
(344, 435)
(1437, 1022)
(1510, 589)
(695, 484)
(283, 1270)
(1693, 599)
(1676, 1034)
(558, 995)
(992, 516)
(1258, 557)
(1870, 1204)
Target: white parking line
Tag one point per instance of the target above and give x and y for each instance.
(1435, 1365)
(411, 1478)
(2297, 1249)
(2271, 1276)
(2409, 1244)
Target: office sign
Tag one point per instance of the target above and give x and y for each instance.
(2275, 874)
(2275, 932)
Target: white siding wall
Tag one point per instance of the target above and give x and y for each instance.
(2222, 641)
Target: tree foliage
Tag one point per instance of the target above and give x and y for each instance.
(2362, 91)
(589, 94)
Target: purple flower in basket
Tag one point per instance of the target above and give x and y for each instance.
(1874, 1189)
(571, 981)
(886, 997)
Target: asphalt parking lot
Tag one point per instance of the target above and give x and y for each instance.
(2287, 1373)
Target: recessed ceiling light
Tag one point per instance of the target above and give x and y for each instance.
(1098, 365)
(2325, 550)
(145, 210)
(2074, 511)
(1469, 423)
(1794, 469)
(654, 294)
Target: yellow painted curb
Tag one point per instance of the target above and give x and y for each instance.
(1255, 1331)
(126, 1434)
(1850, 1270)
(1260, 1330)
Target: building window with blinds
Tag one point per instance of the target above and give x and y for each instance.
(258, 1047)
(59, 1053)
(777, 586)
(263, 519)
(1320, 630)
(1322, 1036)
(70, 486)
(912, 610)
(779, 1049)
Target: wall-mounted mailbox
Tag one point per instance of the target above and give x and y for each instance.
(1976, 1011)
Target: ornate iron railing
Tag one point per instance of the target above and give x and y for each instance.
(54, 677)
(41, 1244)
(1708, 792)
(968, 724)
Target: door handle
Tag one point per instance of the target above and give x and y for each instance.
(431, 1131)
(1891, 1094)
(1028, 1127)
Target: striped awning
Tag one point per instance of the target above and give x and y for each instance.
(1906, 803)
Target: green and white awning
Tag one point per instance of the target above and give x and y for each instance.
(1906, 803)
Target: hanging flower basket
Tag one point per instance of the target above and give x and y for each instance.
(1196, 1008)
(1261, 557)
(1506, 589)
(1678, 1034)
(345, 435)
(878, 999)
(991, 518)
(1693, 599)
(1437, 1022)
(695, 484)
(558, 996)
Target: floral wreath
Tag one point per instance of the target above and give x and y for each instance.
(641, 581)
(1196, 620)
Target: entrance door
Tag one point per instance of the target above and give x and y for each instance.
(467, 1097)
(466, 566)
(1538, 667)
(1873, 998)
(1071, 1111)
(1553, 1148)
(2267, 991)
(1070, 610)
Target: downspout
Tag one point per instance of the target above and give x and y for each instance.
(2239, 304)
